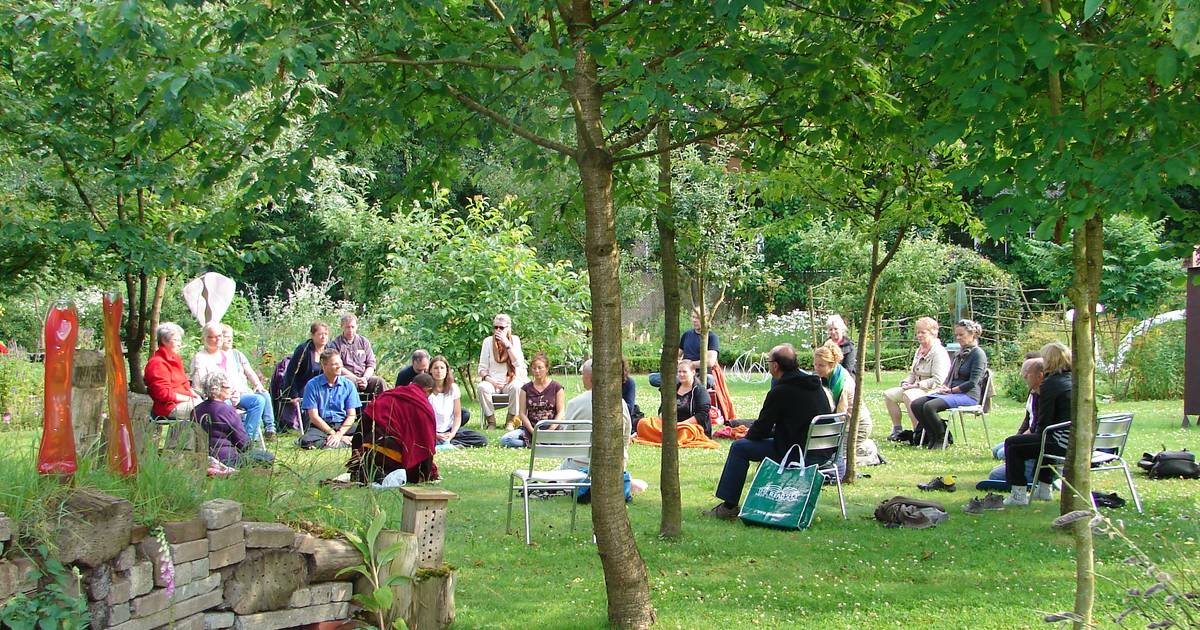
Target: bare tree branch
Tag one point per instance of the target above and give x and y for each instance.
(616, 13)
(74, 179)
(449, 61)
(637, 136)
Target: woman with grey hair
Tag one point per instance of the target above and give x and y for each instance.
(840, 334)
(227, 438)
(166, 381)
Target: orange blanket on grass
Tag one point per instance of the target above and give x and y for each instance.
(649, 432)
(724, 400)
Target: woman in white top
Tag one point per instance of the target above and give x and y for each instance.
(249, 385)
(446, 400)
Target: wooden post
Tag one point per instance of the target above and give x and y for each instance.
(425, 516)
(87, 399)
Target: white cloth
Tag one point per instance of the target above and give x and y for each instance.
(580, 408)
(204, 363)
(443, 408)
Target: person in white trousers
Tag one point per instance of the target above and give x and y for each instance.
(502, 369)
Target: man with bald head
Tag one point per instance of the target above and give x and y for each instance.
(796, 396)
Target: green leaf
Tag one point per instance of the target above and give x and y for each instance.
(1090, 7)
(1167, 66)
(383, 596)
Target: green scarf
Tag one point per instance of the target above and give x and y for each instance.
(836, 381)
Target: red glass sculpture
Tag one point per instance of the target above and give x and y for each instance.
(122, 456)
(56, 456)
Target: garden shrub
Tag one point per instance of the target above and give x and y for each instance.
(1009, 384)
(1154, 365)
(20, 390)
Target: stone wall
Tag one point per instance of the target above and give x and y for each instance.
(219, 571)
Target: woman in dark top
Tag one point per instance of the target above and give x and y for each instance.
(691, 399)
(839, 334)
(1053, 407)
(541, 399)
(227, 438)
(629, 392)
(306, 362)
(964, 386)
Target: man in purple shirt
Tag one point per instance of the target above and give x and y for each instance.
(358, 359)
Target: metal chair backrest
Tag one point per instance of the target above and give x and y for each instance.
(827, 431)
(1112, 431)
(1047, 434)
(571, 439)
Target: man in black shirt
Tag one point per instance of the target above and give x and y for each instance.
(787, 412)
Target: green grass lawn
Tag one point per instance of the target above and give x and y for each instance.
(999, 570)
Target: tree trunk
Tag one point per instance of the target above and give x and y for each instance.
(878, 343)
(160, 289)
(1088, 250)
(135, 330)
(671, 523)
(625, 579)
(702, 371)
(860, 364)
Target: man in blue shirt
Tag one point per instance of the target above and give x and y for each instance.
(689, 348)
(330, 404)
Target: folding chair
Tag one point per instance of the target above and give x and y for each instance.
(571, 439)
(1108, 450)
(975, 410)
(828, 431)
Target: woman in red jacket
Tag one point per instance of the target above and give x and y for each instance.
(166, 381)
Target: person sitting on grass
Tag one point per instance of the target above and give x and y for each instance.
(541, 399)
(930, 365)
(418, 364)
(166, 382)
(358, 358)
(330, 405)
(305, 365)
(1053, 406)
(691, 400)
(446, 400)
(795, 398)
(689, 349)
(964, 386)
(827, 364)
(397, 434)
(228, 441)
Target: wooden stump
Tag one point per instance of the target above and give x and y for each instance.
(404, 564)
(87, 401)
(432, 600)
(329, 557)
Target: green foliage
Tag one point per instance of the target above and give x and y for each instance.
(1010, 385)
(20, 390)
(1154, 365)
(448, 275)
(1136, 280)
(378, 601)
(52, 606)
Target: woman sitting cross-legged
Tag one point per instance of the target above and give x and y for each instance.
(1053, 405)
(691, 398)
(541, 399)
(228, 441)
(446, 400)
(827, 364)
(964, 386)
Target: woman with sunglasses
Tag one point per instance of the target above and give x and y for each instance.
(502, 370)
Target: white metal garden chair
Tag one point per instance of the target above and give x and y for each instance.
(828, 431)
(1108, 450)
(571, 439)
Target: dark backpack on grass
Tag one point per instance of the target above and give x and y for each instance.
(1170, 464)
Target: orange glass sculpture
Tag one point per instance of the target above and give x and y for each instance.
(56, 456)
(122, 456)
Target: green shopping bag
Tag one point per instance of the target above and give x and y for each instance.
(784, 497)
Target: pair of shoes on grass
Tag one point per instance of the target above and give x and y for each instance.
(944, 483)
(1021, 494)
(992, 501)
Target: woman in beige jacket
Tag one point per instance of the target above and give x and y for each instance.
(930, 366)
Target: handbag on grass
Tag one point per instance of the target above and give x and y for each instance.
(783, 495)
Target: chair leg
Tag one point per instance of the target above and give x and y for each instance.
(962, 428)
(574, 503)
(987, 436)
(841, 497)
(525, 491)
(508, 519)
(1137, 501)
